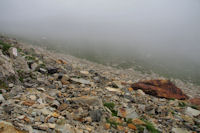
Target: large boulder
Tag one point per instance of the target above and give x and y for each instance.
(160, 88)
(6, 68)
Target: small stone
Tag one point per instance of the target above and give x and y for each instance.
(65, 79)
(41, 89)
(130, 89)
(128, 113)
(141, 93)
(131, 126)
(43, 126)
(62, 107)
(81, 81)
(42, 118)
(55, 104)
(1, 98)
(10, 85)
(138, 122)
(113, 89)
(107, 126)
(84, 72)
(120, 128)
(88, 119)
(51, 120)
(50, 125)
(33, 97)
(89, 100)
(52, 70)
(6, 127)
(54, 114)
(42, 70)
(96, 115)
(28, 103)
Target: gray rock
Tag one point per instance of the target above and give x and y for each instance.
(1, 98)
(179, 130)
(89, 100)
(192, 112)
(96, 115)
(82, 81)
(52, 120)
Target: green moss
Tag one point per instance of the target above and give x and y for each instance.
(5, 47)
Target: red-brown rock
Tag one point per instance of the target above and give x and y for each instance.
(195, 101)
(160, 88)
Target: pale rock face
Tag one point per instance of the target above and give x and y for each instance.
(192, 112)
(13, 52)
(6, 68)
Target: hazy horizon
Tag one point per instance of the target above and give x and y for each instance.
(167, 30)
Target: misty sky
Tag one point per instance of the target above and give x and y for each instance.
(169, 27)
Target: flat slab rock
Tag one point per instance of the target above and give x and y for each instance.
(160, 88)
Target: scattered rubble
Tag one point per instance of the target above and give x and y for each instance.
(42, 91)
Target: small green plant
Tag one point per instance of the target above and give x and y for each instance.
(112, 123)
(150, 127)
(172, 99)
(182, 104)
(5, 47)
(28, 57)
(129, 120)
(111, 106)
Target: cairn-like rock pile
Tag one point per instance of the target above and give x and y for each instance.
(41, 91)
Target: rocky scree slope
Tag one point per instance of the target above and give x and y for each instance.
(42, 91)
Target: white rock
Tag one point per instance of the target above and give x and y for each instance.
(10, 85)
(192, 112)
(84, 72)
(113, 89)
(13, 52)
(41, 89)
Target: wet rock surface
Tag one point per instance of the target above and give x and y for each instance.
(46, 92)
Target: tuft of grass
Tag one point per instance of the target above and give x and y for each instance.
(182, 104)
(5, 47)
(112, 123)
(150, 127)
(129, 120)
(111, 106)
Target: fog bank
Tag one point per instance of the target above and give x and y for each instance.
(165, 31)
